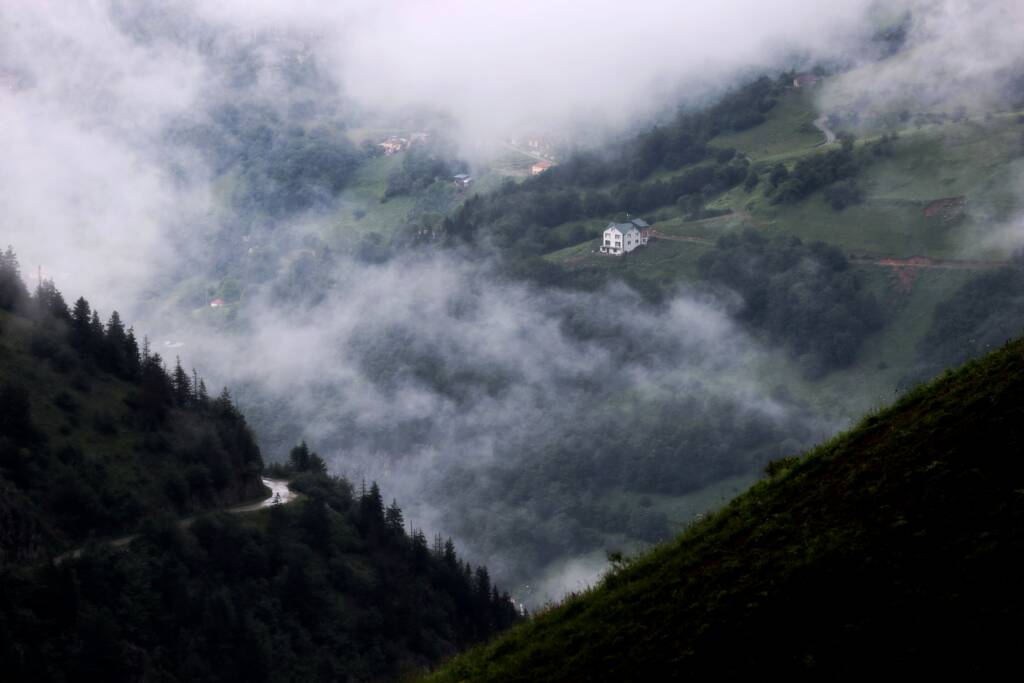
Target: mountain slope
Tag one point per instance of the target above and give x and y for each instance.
(896, 546)
(96, 436)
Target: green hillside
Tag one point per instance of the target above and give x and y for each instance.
(923, 203)
(895, 547)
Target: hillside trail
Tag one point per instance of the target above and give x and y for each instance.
(927, 262)
(821, 123)
(280, 494)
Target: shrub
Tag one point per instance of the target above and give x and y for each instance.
(843, 194)
(780, 465)
(66, 402)
(104, 423)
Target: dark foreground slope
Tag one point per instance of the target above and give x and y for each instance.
(898, 546)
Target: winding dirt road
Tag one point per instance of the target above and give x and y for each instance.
(280, 494)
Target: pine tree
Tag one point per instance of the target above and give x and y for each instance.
(371, 506)
(203, 397)
(13, 293)
(182, 384)
(115, 328)
(132, 364)
(317, 464)
(482, 583)
(450, 557)
(420, 554)
(80, 330)
(393, 518)
(224, 406)
(49, 300)
(95, 330)
(299, 457)
(113, 356)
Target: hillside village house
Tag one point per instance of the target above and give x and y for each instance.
(462, 180)
(805, 80)
(541, 166)
(622, 238)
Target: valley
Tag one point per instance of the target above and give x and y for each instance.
(694, 330)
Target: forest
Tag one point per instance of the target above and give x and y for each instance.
(330, 588)
(805, 297)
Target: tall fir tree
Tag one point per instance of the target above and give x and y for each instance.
(182, 384)
(81, 315)
(50, 301)
(13, 293)
(131, 355)
(371, 506)
(393, 518)
(298, 458)
(95, 331)
(114, 353)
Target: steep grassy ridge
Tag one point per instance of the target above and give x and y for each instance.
(895, 547)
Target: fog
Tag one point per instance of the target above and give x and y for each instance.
(501, 67)
(495, 411)
(957, 54)
(452, 388)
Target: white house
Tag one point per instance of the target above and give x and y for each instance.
(622, 238)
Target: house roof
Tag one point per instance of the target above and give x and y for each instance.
(460, 176)
(621, 227)
(640, 223)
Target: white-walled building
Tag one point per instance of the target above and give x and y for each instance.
(622, 238)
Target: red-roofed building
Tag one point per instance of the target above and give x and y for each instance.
(541, 166)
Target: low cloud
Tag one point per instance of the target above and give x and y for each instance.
(499, 412)
(954, 55)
